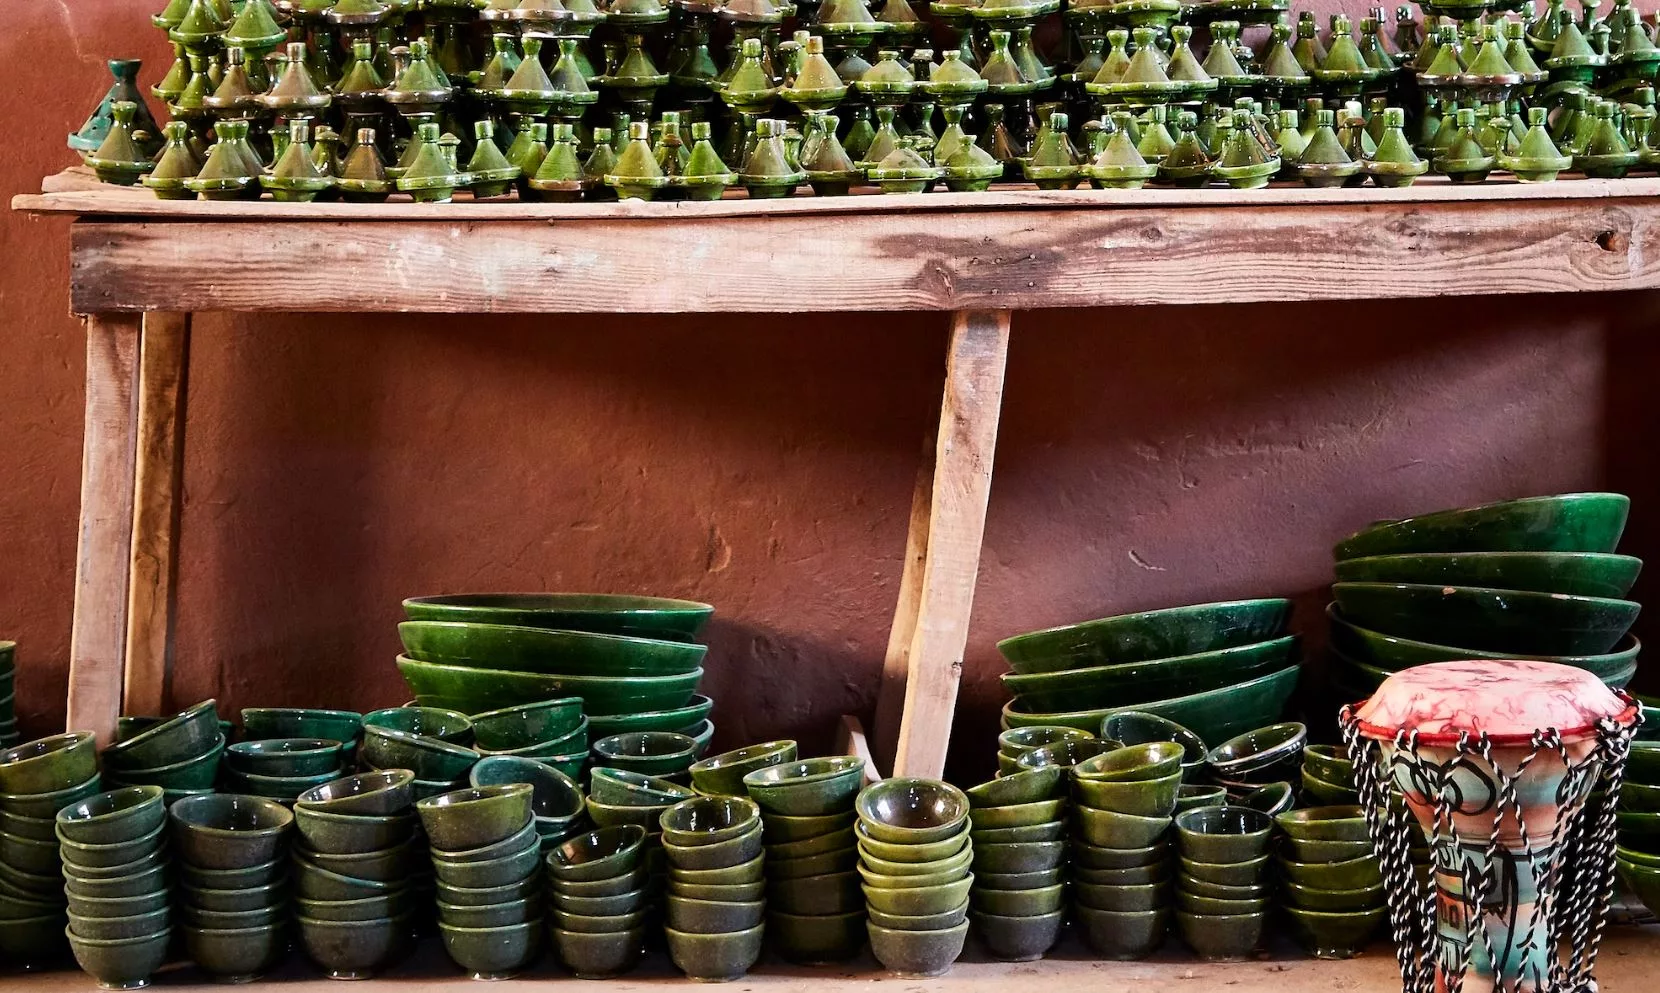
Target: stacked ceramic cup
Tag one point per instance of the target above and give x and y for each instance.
(114, 861)
(233, 870)
(344, 726)
(1222, 886)
(281, 768)
(597, 883)
(617, 797)
(9, 735)
(716, 895)
(484, 838)
(430, 722)
(913, 836)
(556, 799)
(1263, 757)
(180, 754)
(814, 912)
(1123, 802)
(356, 861)
(37, 779)
(438, 765)
(1015, 742)
(550, 731)
(666, 754)
(1328, 777)
(1331, 881)
(1009, 906)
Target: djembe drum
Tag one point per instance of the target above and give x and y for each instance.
(1488, 789)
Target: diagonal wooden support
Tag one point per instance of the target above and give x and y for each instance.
(948, 516)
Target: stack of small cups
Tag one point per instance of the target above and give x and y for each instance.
(180, 754)
(1331, 881)
(555, 798)
(815, 915)
(1123, 801)
(38, 779)
(281, 768)
(1012, 910)
(717, 891)
(9, 735)
(913, 838)
(617, 797)
(598, 886)
(358, 856)
(232, 857)
(484, 838)
(1328, 777)
(1222, 886)
(114, 857)
(550, 731)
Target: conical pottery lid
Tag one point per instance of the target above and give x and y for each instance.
(1344, 55)
(1120, 152)
(487, 155)
(255, 28)
(637, 160)
(845, 12)
(1393, 146)
(177, 161)
(200, 25)
(602, 160)
(363, 161)
(295, 163)
(1117, 59)
(1241, 148)
(1001, 69)
(1281, 62)
(1606, 139)
(119, 147)
(561, 164)
(567, 76)
(420, 75)
(504, 59)
(1187, 153)
(1323, 147)
(704, 161)
(816, 72)
(1145, 66)
(296, 88)
(1571, 48)
(1156, 141)
(361, 76)
(431, 166)
(1310, 54)
(225, 160)
(1054, 146)
(1490, 60)
(1220, 61)
(1184, 65)
(529, 76)
(767, 157)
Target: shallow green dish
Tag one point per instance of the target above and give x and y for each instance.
(543, 650)
(1352, 874)
(607, 853)
(428, 758)
(1642, 880)
(1025, 786)
(1335, 934)
(553, 794)
(1152, 679)
(301, 722)
(1215, 715)
(527, 724)
(477, 816)
(817, 939)
(1570, 522)
(112, 817)
(46, 765)
(1015, 742)
(225, 831)
(626, 788)
(180, 738)
(379, 793)
(777, 829)
(1577, 573)
(910, 811)
(489, 689)
(1313, 898)
(284, 757)
(1391, 653)
(433, 722)
(650, 753)
(1122, 936)
(724, 773)
(682, 719)
(1017, 814)
(1489, 619)
(1152, 634)
(601, 612)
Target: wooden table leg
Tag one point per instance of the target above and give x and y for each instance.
(97, 638)
(163, 361)
(948, 518)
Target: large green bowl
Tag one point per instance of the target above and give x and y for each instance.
(1393, 653)
(528, 649)
(491, 689)
(1577, 573)
(182, 737)
(683, 719)
(1569, 522)
(606, 613)
(1489, 619)
(1215, 715)
(1150, 634)
(1132, 682)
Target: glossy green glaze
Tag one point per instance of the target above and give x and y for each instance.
(1313, 898)
(344, 834)
(1214, 715)
(540, 650)
(598, 612)
(709, 820)
(527, 724)
(474, 690)
(300, 722)
(1153, 679)
(813, 939)
(184, 736)
(286, 757)
(123, 963)
(650, 753)
(1573, 522)
(237, 955)
(1391, 653)
(1023, 938)
(917, 953)
(1143, 797)
(112, 817)
(428, 758)
(1220, 939)
(1335, 934)
(432, 722)
(682, 719)
(598, 956)
(1223, 835)
(1122, 936)
(48, 765)
(605, 854)
(225, 831)
(724, 773)
(1015, 742)
(912, 811)
(1025, 786)
(783, 828)
(476, 816)
(1578, 573)
(1488, 619)
(354, 949)
(807, 787)
(1110, 829)
(1154, 634)
(493, 953)
(626, 788)
(1017, 815)
(1155, 760)
(366, 794)
(716, 957)
(1356, 873)
(1124, 899)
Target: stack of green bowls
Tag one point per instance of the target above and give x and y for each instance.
(723, 774)
(550, 731)
(9, 735)
(555, 799)
(814, 911)
(439, 766)
(1248, 761)
(1013, 810)
(362, 871)
(1217, 668)
(114, 843)
(431, 722)
(1222, 885)
(1015, 742)
(617, 797)
(180, 754)
(597, 883)
(1534, 578)
(625, 656)
(344, 726)
(484, 838)
(233, 873)
(1135, 727)
(38, 779)
(666, 754)
(1637, 858)
(1328, 777)
(281, 768)
(914, 837)
(716, 897)
(1331, 883)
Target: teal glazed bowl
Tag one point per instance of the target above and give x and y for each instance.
(428, 758)
(553, 794)
(300, 722)
(179, 738)
(1153, 679)
(682, 719)
(284, 757)
(1569, 522)
(1151, 634)
(433, 722)
(606, 613)
(653, 753)
(472, 690)
(375, 794)
(1392, 653)
(1488, 619)
(1015, 742)
(528, 649)
(1576, 573)
(1215, 715)
(527, 724)
(112, 817)
(227, 831)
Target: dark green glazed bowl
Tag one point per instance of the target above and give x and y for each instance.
(488, 896)
(919, 901)
(717, 854)
(1270, 798)
(237, 956)
(284, 788)
(1221, 939)
(711, 916)
(1335, 934)
(1016, 815)
(604, 854)
(504, 870)
(1331, 763)
(355, 949)
(432, 722)
(709, 820)
(913, 852)
(831, 893)
(681, 718)
(1576, 573)
(38, 828)
(1017, 903)
(817, 939)
(1122, 936)
(600, 612)
(107, 856)
(1143, 798)
(137, 885)
(476, 816)
(1191, 796)
(198, 773)
(285, 757)
(1489, 619)
(228, 831)
(1152, 679)
(598, 956)
(807, 787)
(1390, 653)
(1642, 880)
(1312, 898)
(383, 865)
(28, 855)
(554, 795)
(47, 805)
(927, 922)
(715, 957)
(1018, 939)
(1215, 715)
(1570, 522)
(918, 953)
(473, 690)
(1153, 634)
(112, 817)
(48, 765)
(1155, 760)
(607, 906)
(541, 650)
(724, 773)
(1111, 829)
(371, 794)
(625, 788)
(1015, 742)
(527, 724)
(300, 722)
(123, 963)
(1136, 727)
(344, 834)
(157, 898)
(912, 811)
(1356, 873)
(428, 758)
(1064, 754)
(651, 753)
(493, 953)
(177, 739)
(1223, 835)
(1088, 856)
(251, 877)
(30, 941)
(232, 901)
(777, 829)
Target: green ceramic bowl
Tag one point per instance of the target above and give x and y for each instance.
(1329, 762)
(1022, 857)
(598, 956)
(917, 901)
(1194, 903)
(237, 956)
(1222, 891)
(527, 724)
(1223, 835)
(710, 820)
(484, 873)
(199, 773)
(681, 718)
(285, 757)
(370, 794)
(1304, 850)
(383, 865)
(1065, 754)
(652, 753)
(927, 922)
(1018, 939)
(554, 795)
(752, 871)
(431, 722)
(233, 901)
(1391, 653)
(1025, 786)
(1632, 855)
(1191, 796)
(724, 773)
(29, 941)
(1571, 522)
(140, 884)
(428, 758)
(783, 828)
(830, 893)
(110, 818)
(493, 915)
(488, 896)
(626, 788)
(286, 788)
(573, 741)
(1088, 856)
(1152, 761)
(1313, 898)
(1356, 873)
(824, 863)
(355, 949)
(817, 939)
(912, 811)
(344, 834)
(545, 650)
(1143, 798)
(888, 851)
(807, 787)
(1248, 873)
(228, 831)
(124, 963)
(1110, 829)
(1489, 619)
(249, 877)
(613, 886)
(92, 856)
(1261, 748)
(1642, 765)
(1318, 791)
(944, 872)
(493, 953)
(711, 916)
(599, 612)
(1331, 823)
(1017, 814)
(1642, 880)
(1335, 934)
(1575, 573)
(715, 957)
(38, 828)
(718, 854)
(89, 906)
(597, 855)
(605, 906)
(1123, 899)
(590, 924)
(473, 690)
(1017, 903)
(1135, 727)
(917, 953)
(1052, 831)
(48, 765)
(1120, 936)
(1151, 679)
(476, 816)
(1214, 715)
(233, 920)
(953, 854)
(1153, 634)
(28, 855)
(1220, 939)
(1016, 742)
(609, 814)
(177, 739)
(1272, 799)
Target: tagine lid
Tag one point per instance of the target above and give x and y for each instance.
(1503, 698)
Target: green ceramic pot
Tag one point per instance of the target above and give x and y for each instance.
(119, 928)
(715, 957)
(121, 964)
(86, 857)
(500, 871)
(228, 831)
(1249, 873)
(891, 852)
(917, 953)
(1133, 763)
(1332, 823)
(110, 818)
(589, 924)
(1016, 815)
(840, 860)
(620, 905)
(1016, 742)
(138, 885)
(626, 788)
(1576, 573)
(154, 855)
(1221, 939)
(547, 651)
(199, 773)
(1335, 935)
(1135, 727)
(1052, 831)
(710, 820)
(1018, 903)
(368, 794)
(828, 893)
(493, 953)
(184, 736)
(1088, 856)
(817, 939)
(1329, 762)
(807, 787)
(1025, 786)
(607, 853)
(1143, 798)
(472, 690)
(918, 901)
(1122, 936)
(608, 814)
(1356, 873)
(47, 805)
(487, 896)
(783, 828)
(233, 879)
(908, 811)
(476, 816)
(235, 901)
(348, 834)
(355, 949)
(430, 722)
(285, 757)
(1261, 748)
(1110, 829)
(1489, 619)
(928, 922)
(1018, 939)
(48, 765)
(651, 753)
(723, 774)
(1312, 898)
(27, 855)
(1572, 522)
(600, 612)
(574, 742)
(1223, 835)
(237, 956)
(1065, 754)
(681, 718)
(1392, 653)
(1150, 679)
(1213, 715)
(1147, 635)
(527, 724)
(104, 908)
(716, 855)
(553, 794)
(598, 956)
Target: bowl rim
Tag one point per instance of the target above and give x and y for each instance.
(1280, 603)
(784, 775)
